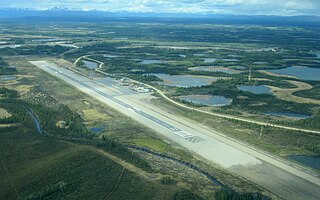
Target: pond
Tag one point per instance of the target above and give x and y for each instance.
(199, 54)
(289, 114)
(303, 73)
(209, 100)
(46, 40)
(260, 63)
(209, 60)
(7, 78)
(184, 80)
(238, 67)
(97, 130)
(214, 69)
(256, 89)
(90, 65)
(110, 56)
(311, 161)
(147, 62)
(230, 60)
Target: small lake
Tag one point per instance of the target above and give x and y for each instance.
(90, 65)
(199, 54)
(110, 56)
(184, 80)
(7, 78)
(46, 40)
(311, 161)
(209, 60)
(208, 100)
(303, 73)
(214, 69)
(147, 62)
(288, 114)
(97, 130)
(238, 67)
(256, 89)
(260, 63)
(230, 60)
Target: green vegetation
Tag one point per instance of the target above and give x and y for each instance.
(246, 101)
(34, 50)
(67, 157)
(314, 93)
(32, 163)
(168, 181)
(275, 140)
(5, 69)
(186, 195)
(222, 195)
(37, 167)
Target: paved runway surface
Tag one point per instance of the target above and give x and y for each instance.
(283, 178)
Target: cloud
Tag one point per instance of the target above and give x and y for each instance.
(267, 7)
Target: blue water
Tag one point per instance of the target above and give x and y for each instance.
(111, 56)
(208, 100)
(260, 63)
(230, 60)
(303, 73)
(311, 161)
(199, 54)
(256, 89)
(90, 65)
(97, 130)
(146, 62)
(209, 60)
(184, 80)
(238, 67)
(214, 69)
(7, 78)
(288, 114)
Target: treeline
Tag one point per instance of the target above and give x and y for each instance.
(5, 69)
(219, 195)
(17, 108)
(223, 195)
(49, 116)
(144, 78)
(34, 50)
(9, 102)
(313, 93)
(6, 93)
(115, 148)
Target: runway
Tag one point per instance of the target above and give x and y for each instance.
(272, 173)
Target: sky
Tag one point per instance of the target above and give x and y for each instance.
(247, 7)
